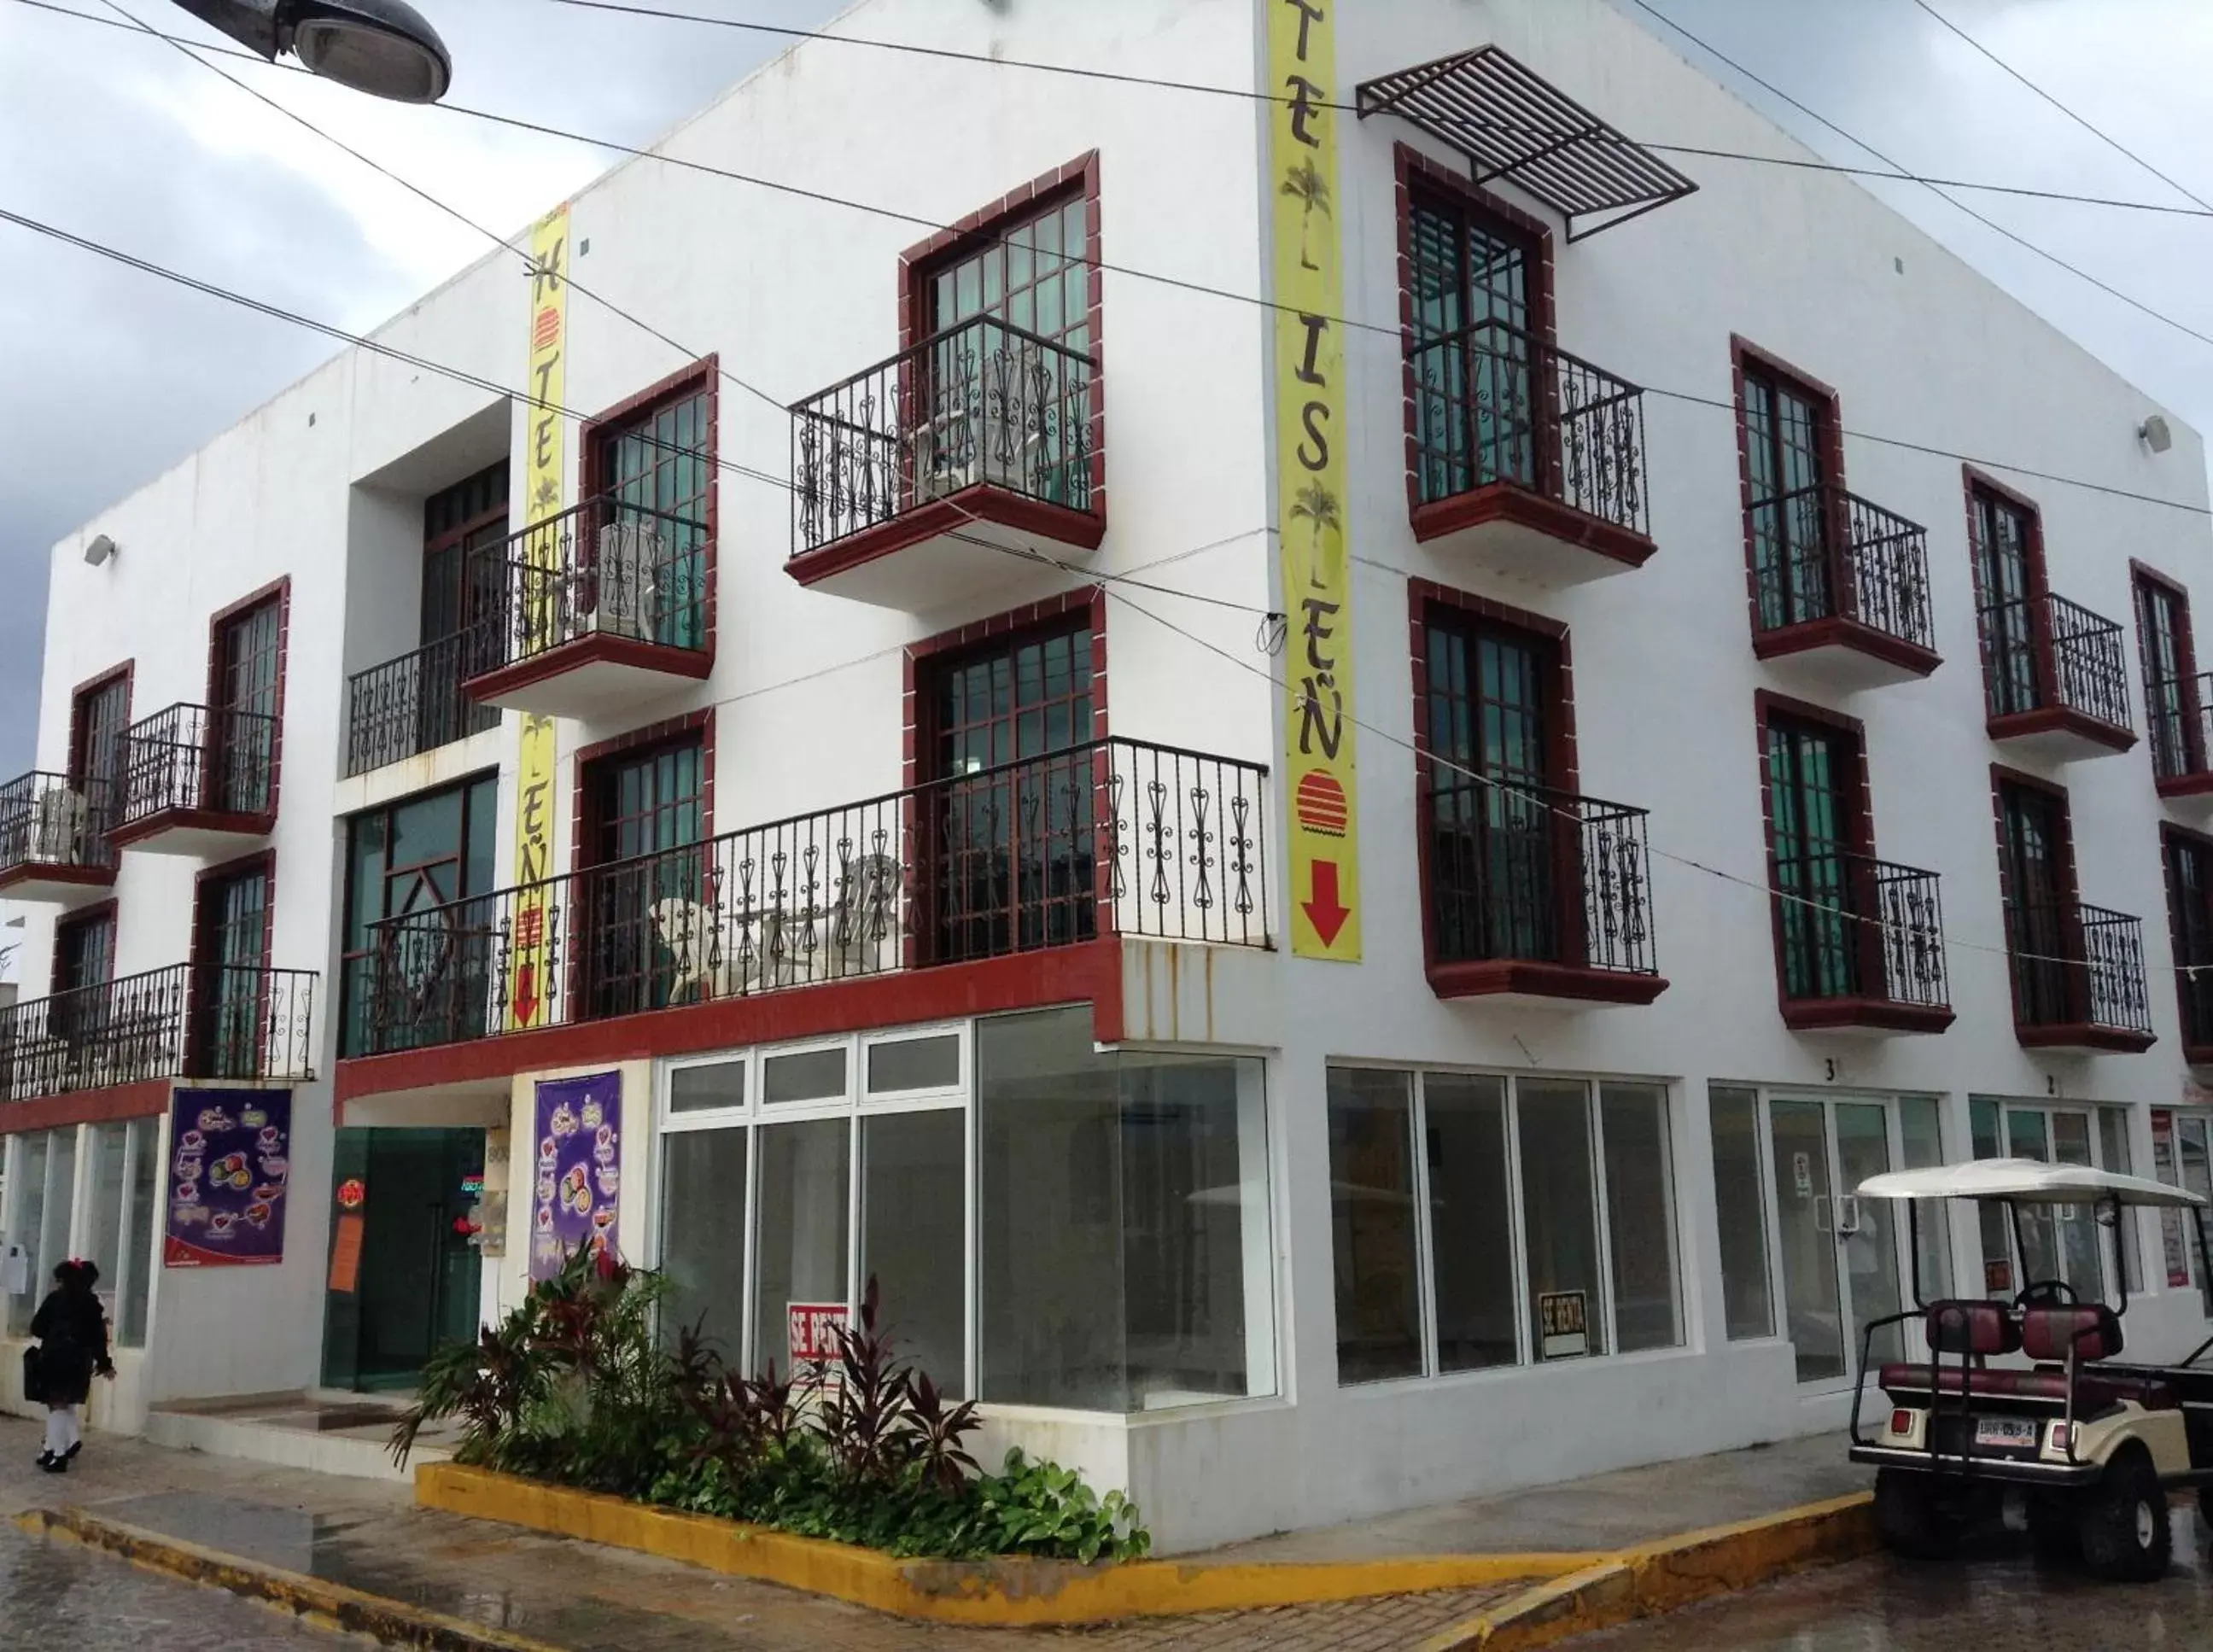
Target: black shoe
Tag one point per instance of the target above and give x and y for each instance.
(46, 1460)
(69, 1456)
(56, 1465)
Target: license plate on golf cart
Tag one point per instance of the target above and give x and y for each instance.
(2014, 1431)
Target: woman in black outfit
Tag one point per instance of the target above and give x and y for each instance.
(72, 1335)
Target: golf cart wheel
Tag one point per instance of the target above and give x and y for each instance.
(2124, 1521)
(1912, 1519)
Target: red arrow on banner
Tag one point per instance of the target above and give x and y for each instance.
(526, 995)
(1324, 912)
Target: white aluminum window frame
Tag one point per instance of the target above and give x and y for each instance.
(134, 1250)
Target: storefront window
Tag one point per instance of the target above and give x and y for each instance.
(136, 1289)
(113, 1228)
(27, 1187)
(1068, 1228)
(914, 1243)
(1589, 1190)
(1124, 1254)
(1920, 1138)
(1372, 1221)
(1471, 1213)
(1748, 1303)
(703, 1206)
(800, 1233)
(2056, 1242)
(109, 1146)
(2113, 1152)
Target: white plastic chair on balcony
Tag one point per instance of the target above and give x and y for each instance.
(63, 814)
(626, 561)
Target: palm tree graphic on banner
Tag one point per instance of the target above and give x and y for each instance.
(1316, 504)
(1304, 184)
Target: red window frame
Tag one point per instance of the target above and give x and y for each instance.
(67, 932)
(1857, 795)
(2187, 756)
(702, 378)
(278, 591)
(1750, 362)
(1982, 489)
(2067, 938)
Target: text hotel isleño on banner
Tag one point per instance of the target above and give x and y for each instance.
(1311, 509)
(544, 470)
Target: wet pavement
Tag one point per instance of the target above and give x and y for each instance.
(60, 1598)
(1998, 1600)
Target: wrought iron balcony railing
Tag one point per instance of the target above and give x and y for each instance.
(193, 759)
(1857, 928)
(1493, 404)
(416, 703)
(2179, 711)
(51, 819)
(1111, 837)
(2077, 966)
(1536, 875)
(2046, 651)
(981, 402)
(189, 1021)
(1822, 553)
(605, 568)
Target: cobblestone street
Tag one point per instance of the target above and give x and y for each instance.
(1999, 1601)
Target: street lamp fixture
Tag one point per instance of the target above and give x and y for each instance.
(382, 48)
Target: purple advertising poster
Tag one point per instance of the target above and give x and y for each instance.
(230, 1164)
(579, 1169)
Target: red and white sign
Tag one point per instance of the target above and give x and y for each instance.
(812, 1330)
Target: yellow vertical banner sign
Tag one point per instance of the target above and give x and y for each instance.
(543, 470)
(1311, 506)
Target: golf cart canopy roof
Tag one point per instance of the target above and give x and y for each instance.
(2026, 1181)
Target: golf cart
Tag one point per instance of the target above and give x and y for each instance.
(2080, 1449)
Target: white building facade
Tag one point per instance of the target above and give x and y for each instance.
(825, 793)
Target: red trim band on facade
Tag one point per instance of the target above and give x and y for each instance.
(1090, 972)
(148, 1099)
(2062, 720)
(599, 649)
(2086, 1035)
(1490, 977)
(83, 877)
(191, 819)
(1844, 1015)
(1839, 632)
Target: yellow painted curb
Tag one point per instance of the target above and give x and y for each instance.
(1009, 1592)
(327, 1605)
(1657, 1577)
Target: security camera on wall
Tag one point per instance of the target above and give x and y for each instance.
(2156, 433)
(99, 551)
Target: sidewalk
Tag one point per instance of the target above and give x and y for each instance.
(578, 1597)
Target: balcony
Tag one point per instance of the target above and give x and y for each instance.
(1840, 590)
(2179, 713)
(2055, 680)
(2078, 978)
(1111, 839)
(1528, 462)
(599, 608)
(922, 481)
(1861, 946)
(415, 703)
(197, 782)
(1536, 897)
(189, 1021)
(53, 839)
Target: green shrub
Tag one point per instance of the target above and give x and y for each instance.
(578, 1387)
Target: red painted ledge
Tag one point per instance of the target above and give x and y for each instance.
(87, 877)
(2064, 720)
(2085, 1036)
(1507, 502)
(599, 649)
(1841, 632)
(1878, 1014)
(147, 1098)
(2196, 783)
(984, 502)
(1489, 978)
(1089, 972)
(191, 820)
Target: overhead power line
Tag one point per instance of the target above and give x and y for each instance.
(2102, 136)
(1796, 163)
(1940, 190)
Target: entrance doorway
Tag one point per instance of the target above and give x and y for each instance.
(1840, 1255)
(405, 1281)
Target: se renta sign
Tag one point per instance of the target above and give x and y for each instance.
(1565, 1332)
(812, 1330)
(229, 1171)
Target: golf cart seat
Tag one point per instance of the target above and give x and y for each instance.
(2045, 1333)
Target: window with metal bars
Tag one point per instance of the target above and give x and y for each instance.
(2172, 691)
(1478, 302)
(1008, 820)
(655, 470)
(248, 673)
(2039, 917)
(645, 816)
(98, 717)
(1786, 443)
(231, 957)
(1813, 802)
(2008, 579)
(1495, 843)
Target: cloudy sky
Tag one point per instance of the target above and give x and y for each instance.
(106, 376)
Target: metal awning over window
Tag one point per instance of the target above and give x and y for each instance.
(1516, 127)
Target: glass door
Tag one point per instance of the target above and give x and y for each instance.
(1839, 1253)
